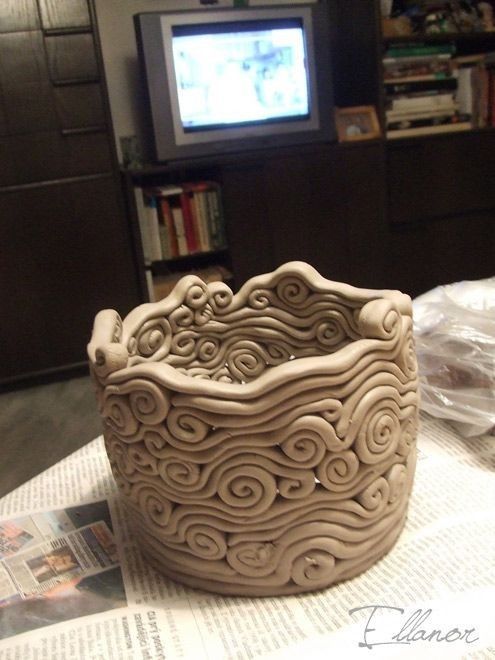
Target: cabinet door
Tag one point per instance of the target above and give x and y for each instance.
(307, 210)
(442, 251)
(439, 177)
(56, 15)
(324, 207)
(65, 256)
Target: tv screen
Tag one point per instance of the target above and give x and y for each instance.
(230, 74)
(235, 79)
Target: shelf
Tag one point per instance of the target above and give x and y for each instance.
(222, 161)
(447, 134)
(189, 262)
(440, 38)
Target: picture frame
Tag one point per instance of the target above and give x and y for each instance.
(357, 123)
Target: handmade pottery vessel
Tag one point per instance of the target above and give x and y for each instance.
(264, 442)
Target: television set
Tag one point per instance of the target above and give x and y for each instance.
(230, 80)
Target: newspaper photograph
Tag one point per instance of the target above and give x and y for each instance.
(75, 584)
(63, 568)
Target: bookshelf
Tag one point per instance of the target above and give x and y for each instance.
(432, 84)
(437, 210)
(178, 224)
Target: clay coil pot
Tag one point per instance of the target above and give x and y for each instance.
(264, 442)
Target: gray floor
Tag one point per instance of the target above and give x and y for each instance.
(40, 425)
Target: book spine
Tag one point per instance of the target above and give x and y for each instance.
(180, 231)
(421, 86)
(195, 212)
(156, 247)
(217, 225)
(402, 60)
(200, 199)
(425, 121)
(143, 223)
(429, 130)
(420, 50)
(410, 76)
(188, 223)
(162, 228)
(168, 221)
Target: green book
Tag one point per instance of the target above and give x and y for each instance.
(420, 50)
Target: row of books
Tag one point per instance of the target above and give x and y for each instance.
(180, 220)
(421, 91)
(426, 91)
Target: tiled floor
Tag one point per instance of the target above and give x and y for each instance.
(40, 425)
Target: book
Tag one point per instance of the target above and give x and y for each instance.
(414, 59)
(420, 86)
(424, 69)
(464, 95)
(216, 219)
(201, 206)
(144, 231)
(155, 218)
(423, 102)
(180, 231)
(187, 214)
(153, 227)
(417, 122)
(167, 221)
(420, 112)
(411, 77)
(429, 130)
(420, 50)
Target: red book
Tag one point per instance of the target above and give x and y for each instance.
(192, 243)
(196, 190)
(168, 221)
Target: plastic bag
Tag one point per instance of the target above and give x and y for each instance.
(454, 328)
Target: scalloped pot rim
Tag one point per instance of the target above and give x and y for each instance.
(297, 369)
(307, 273)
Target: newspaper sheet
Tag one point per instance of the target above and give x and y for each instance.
(74, 585)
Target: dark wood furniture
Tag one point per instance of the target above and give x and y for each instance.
(66, 251)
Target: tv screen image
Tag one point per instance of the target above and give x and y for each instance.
(236, 74)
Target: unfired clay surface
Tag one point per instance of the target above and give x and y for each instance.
(264, 442)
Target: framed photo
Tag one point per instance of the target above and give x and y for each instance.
(357, 123)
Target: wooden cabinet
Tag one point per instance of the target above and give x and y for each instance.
(66, 246)
(437, 208)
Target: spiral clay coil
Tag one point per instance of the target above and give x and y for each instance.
(264, 442)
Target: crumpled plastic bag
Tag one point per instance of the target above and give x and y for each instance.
(454, 329)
